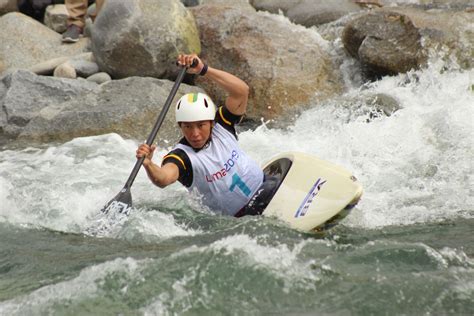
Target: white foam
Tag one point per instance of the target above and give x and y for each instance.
(278, 259)
(152, 226)
(88, 284)
(64, 187)
(415, 166)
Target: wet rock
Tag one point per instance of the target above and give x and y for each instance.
(367, 106)
(381, 104)
(55, 17)
(26, 42)
(143, 37)
(386, 43)
(308, 12)
(255, 47)
(446, 34)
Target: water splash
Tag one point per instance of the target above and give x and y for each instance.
(415, 164)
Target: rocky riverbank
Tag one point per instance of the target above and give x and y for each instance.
(117, 78)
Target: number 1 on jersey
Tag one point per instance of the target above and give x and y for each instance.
(236, 181)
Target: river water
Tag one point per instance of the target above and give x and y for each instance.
(407, 248)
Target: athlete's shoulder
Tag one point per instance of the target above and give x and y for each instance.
(181, 160)
(227, 119)
(177, 156)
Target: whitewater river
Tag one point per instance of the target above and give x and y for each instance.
(407, 248)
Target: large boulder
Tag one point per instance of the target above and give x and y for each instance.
(385, 42)
(284, 65)
(394, 40)
(43, 109)
(143, 37)
(26, 42)
(445, 33)
(56, 17)
(23, 95)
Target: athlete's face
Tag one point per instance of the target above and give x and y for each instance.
(196, 133)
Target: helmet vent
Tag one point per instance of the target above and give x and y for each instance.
(205, 103)
(179, 103)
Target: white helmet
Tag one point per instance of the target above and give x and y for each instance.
(193, 107)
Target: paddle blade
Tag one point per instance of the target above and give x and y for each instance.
(121, 203)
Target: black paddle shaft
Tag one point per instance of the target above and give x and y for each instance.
(122, 202)
(159, 122)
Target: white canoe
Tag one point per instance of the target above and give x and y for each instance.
(313, 194)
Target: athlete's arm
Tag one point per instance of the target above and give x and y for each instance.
(160, 176)
(238, 90)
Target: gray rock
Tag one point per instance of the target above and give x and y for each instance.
(100, 77)
(308, 12)
(84, 68)
(274, 6)
(143, 37)
(367, 106)
(119, 106)
(88, 20)
(316, 12)
(386, 43)
(447, 34)
(396, 39)
(41, 109)
(23, 95)
(381, 105)
(65, 70)
(47, 67)
(91, 10)
(26, 42)
(55, 17)
(283, 64)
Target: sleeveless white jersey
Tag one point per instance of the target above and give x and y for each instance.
(222, 173)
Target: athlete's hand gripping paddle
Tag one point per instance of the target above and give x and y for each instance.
(122, 202)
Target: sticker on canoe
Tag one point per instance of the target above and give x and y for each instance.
(310, 197)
